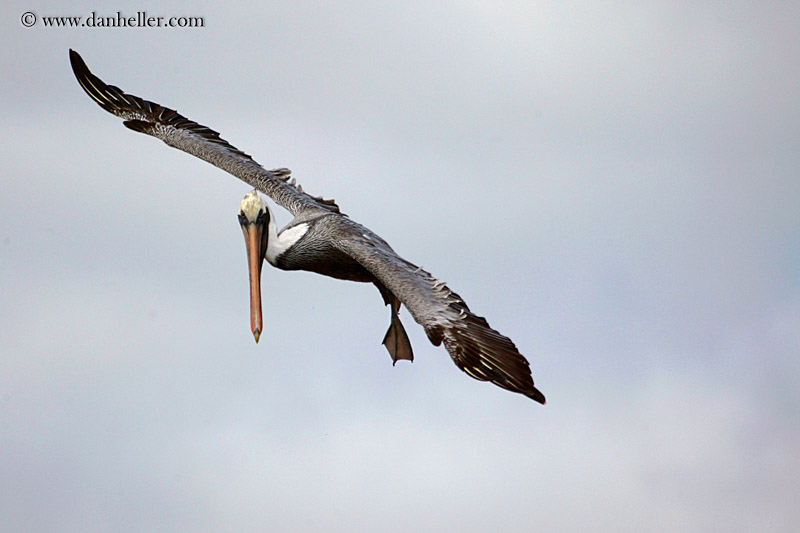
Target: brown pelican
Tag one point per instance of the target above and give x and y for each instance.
(322, 239)
(294, 249)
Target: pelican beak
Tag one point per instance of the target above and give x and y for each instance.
(255, 239)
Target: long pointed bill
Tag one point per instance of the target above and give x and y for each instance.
(254, 240)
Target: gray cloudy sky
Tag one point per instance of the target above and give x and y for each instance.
(615, 188)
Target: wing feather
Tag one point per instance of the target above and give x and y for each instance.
(477, 349)
(201, 141)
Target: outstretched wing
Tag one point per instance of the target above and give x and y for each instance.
(474, 346)
(184, 134)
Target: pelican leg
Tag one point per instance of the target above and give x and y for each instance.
(396, 339)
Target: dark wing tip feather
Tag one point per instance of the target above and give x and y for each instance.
(142, 126)
(109, 97)
(486, 355)
(138, 111)
(145, 117)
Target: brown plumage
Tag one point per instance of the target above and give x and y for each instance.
(332, 244)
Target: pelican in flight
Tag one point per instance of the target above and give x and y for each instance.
(324, 240)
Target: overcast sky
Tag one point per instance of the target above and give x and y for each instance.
(617, 189)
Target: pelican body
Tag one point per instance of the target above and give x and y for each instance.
(305, 245)
(322, 239)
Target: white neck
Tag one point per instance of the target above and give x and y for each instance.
(278, 243)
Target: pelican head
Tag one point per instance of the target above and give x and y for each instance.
(254, 217)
